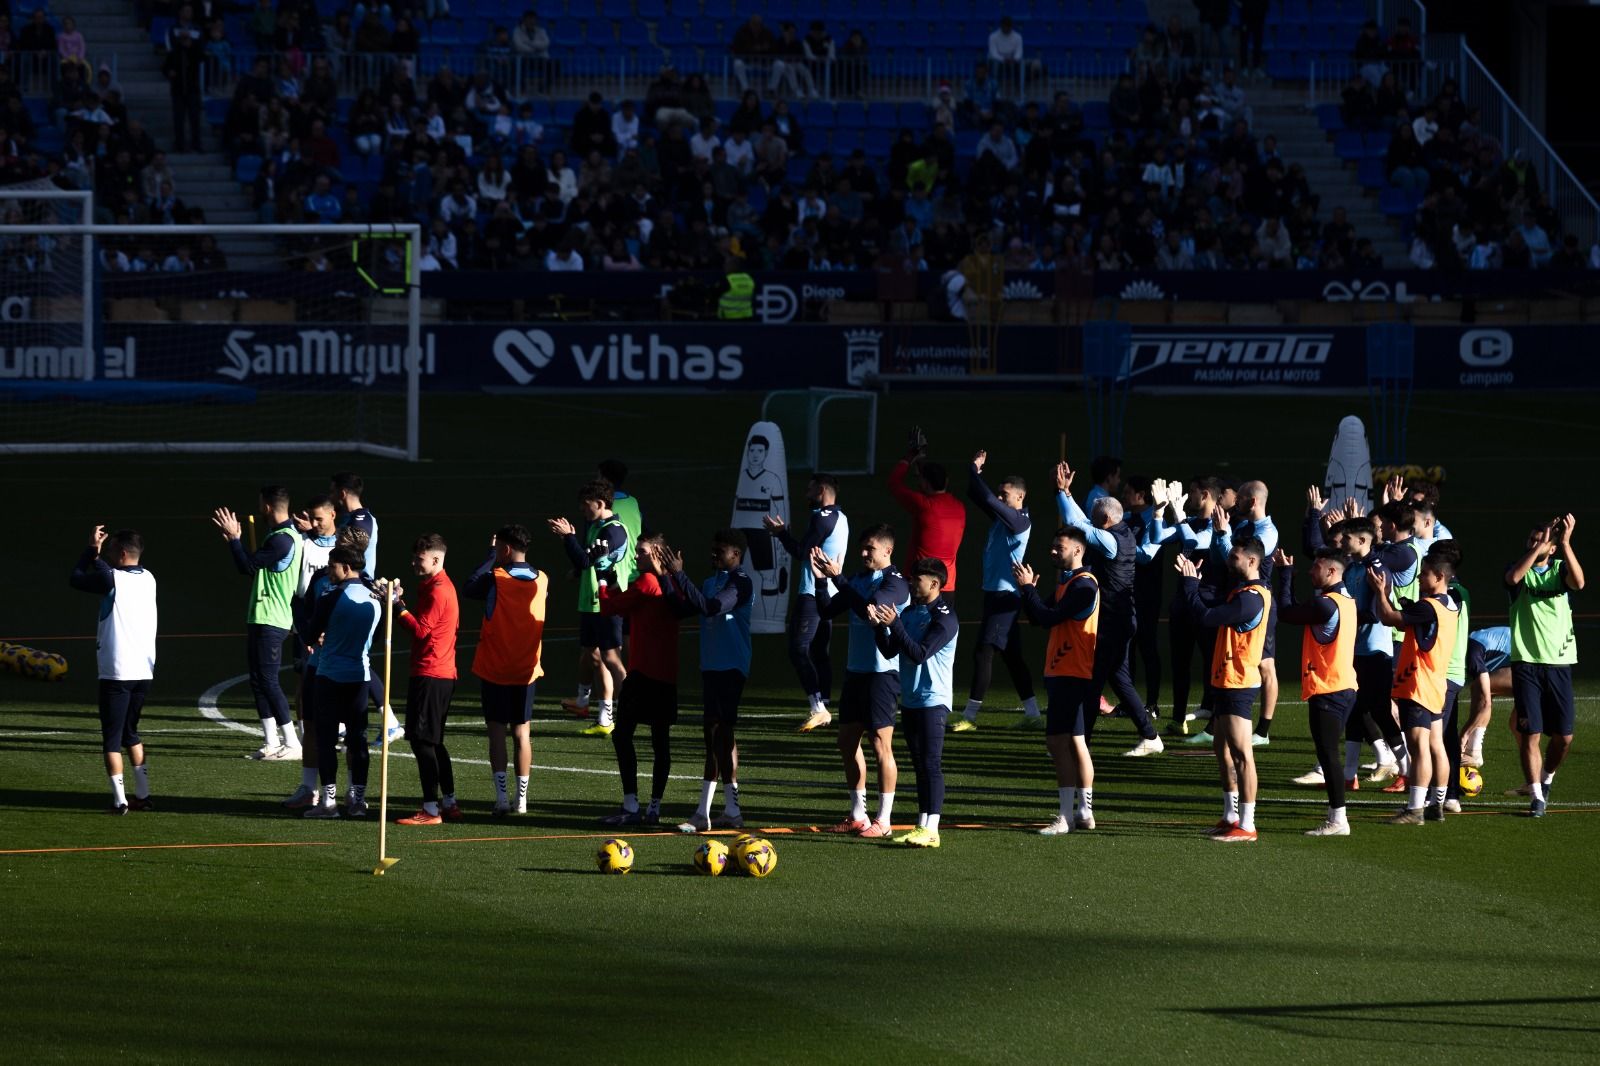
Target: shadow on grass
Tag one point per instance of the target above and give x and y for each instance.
(1466, 1014)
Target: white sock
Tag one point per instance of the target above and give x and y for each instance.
(522, 790)
(390, 722)
(269, 733)
(630, 802)
(1419, 797)
(1475, 741)
(291, 739)
(858, 805)
(308, 777)
(1549, 778)
(1438, 794)
(1336, 816)
(932, 823)
(1247, 819)
(330, 794)
(1405, 764)
(1384, 752)
(118, 797)
(1086, 801)
(816, 702)
(605, 713)
(500, 786)
(1352, 758)
(1230, 806)
(431, 806)
(885, 806)
(730, 800)
(1064, 797)
(1030, 707)
(922, 819)
(141, 781)
(708, 789)
(973, 707)
(583, 696)
(1538, 790)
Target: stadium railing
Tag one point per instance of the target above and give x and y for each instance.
(38, 73)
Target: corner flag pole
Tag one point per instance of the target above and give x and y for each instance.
(250, 524)
(384, 861)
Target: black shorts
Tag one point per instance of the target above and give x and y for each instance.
(344, 701)
(646, 701)
(599, 631)
(1238, 702)
(1338, 704)
(1414, 715)
(1000, 610)
(427, 708)
(1374, 682)
(1269, 650)
(722, 691)
(870, 699)
(506, 704)
(1542, 695)
(121, 703)
(1067, 707)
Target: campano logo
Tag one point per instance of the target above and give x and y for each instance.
(1486, 347)
(776, 304)
(523, 352)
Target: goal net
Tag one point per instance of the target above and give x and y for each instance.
(207, 338)
(833, 430)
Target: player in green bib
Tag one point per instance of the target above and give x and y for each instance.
(274, 572)
(1544, 648)
(604, 554)
(1455, 676)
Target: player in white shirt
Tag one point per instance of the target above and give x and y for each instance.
(125, 652)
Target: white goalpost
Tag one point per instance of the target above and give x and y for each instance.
(139, 339)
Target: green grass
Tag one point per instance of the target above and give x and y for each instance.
(1142, 939)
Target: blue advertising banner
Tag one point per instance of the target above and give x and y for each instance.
(709, 356)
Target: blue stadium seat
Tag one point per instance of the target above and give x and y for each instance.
(846, 141)
(216, 112)
(672, 33)
(724, 110)
(878, 142)
(1397, 203)
(1370, 173)
(883, 115)
(246, 169)
(1376, 145)
(1348, 145)
(634, 34)
(687, 60)
(654, 9)
(1096, 115)
(818, 114)
(616, 9)
(1330, 118)
(816, 140)
(966, 143)
(851, 115)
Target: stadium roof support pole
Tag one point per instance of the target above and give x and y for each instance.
(414, 346)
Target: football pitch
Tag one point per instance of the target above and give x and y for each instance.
(220, 928)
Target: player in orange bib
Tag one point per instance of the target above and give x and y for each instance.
(506, 661)
(1430, 624)
(1073, 619)
(1327, 666)
(1240, 619)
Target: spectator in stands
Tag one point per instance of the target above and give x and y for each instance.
(1366, 256)
(1253, 36)
(563, 177)
(943, 106)
(625, 126)
(529, 39)
(1230, 98)
(1370, 53)
(71, 48)
(793, 54)
(165, 208)
(405, 40)
(1272, 244)
(322, 205)
(457, 205)
(1426, 125)
(38, 35)
(494, 182)
(771, 156)
(591, 128)
(1124, 103)
(851, 70)
(741, 153)
(664, 101)
(1173, 254)
(1404, 162)
(263, 24)
(980, 98)
(819, 51)
(705, 142)
(1403, 46)
(1001, 147)
(619, 258)
(182, 71)
(747, 117)
(1005, 57)
(1390, 100)
(1569, 256)
(1535, 240)
(365, 124)
(1359, 109)
(155, 174)
(372, 36)
(754, 44)
(1214, 16)
(564, 258)
(787, 126)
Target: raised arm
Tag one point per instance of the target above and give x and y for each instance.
(733, 594)
(981, 495)
(92, 573)
(482, 580)
(1072, 515)
(908, 498)
(1572, 573)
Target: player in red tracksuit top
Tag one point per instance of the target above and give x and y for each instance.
(940, 518)
(650, 690)
(433, 625)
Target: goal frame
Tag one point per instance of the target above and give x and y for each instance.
(817, 398)
(412, 231)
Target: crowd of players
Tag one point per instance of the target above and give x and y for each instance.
(1387, 645)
